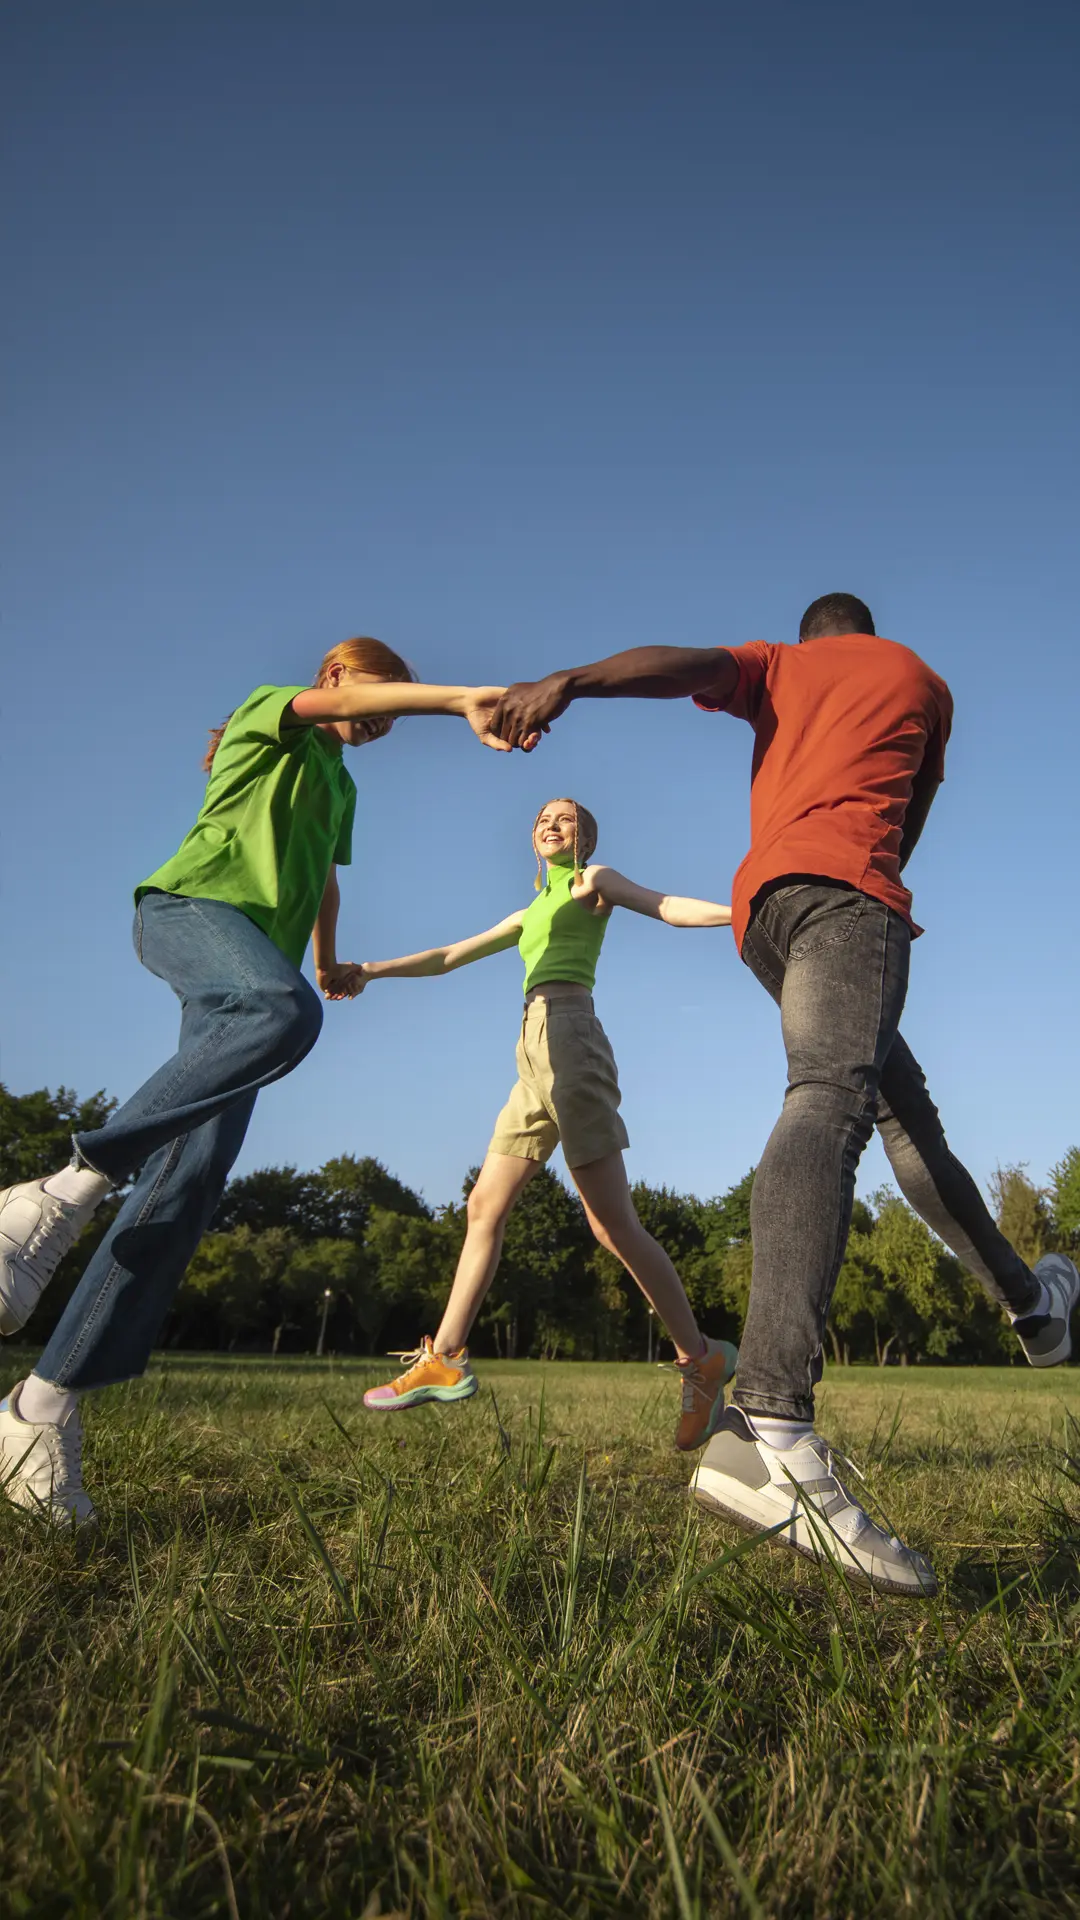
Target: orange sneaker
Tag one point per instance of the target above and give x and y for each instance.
(428, 1376)
(703, 1383)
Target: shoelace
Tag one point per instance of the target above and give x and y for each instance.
(49, 1242)
(64, 1446)
(693, 1380)
(829, 1456)
(411, 1359)
(692, 1385)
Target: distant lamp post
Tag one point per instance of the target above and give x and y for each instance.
(651, 1318)
(326, 1299)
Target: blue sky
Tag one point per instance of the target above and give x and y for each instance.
(515, 335)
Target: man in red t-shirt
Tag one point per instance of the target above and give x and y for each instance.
(849, 750)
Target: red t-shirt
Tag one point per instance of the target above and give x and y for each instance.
(843, 724)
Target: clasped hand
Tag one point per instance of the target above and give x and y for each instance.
(527, 709)
(345, 980)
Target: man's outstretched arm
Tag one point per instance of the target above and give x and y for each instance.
(641, 673)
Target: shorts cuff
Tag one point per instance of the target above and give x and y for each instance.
(517, 1147)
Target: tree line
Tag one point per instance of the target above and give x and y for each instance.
(349, 1253)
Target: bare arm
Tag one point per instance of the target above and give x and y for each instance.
(923, 791)
(610, 889)
(337, 982)
(417, 966)
(390, 699)
(642, 673)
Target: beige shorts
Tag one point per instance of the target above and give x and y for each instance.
(567, 1088)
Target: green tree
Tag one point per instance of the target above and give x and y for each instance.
(411, 1261)
(727, 1218)
(718, 1278)
(735, 1271)
(332, 1203)
(36, 1130)
(861, 1299)
(349, 1189)
(1022, 1212)
(232, 1290)
(346, 1271)
(1065, 1203)
(544, 1278)
(931, 1299)
(269, 1198)
(674, 1221)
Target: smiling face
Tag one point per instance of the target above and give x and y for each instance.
(553, 832)
(356, 733)
(564, 828)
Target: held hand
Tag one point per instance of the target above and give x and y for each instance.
(527, 710)
(479, 707)
(345, 980)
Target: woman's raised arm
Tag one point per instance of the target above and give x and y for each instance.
(418, 966)
(607, 888)
(365, 699)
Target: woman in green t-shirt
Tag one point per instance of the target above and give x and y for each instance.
(226, 923)
(567, 1089)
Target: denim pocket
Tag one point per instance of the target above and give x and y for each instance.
(827, 924)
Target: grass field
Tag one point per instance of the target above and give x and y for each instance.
(488, 1660)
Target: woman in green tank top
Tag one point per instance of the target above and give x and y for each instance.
(567, 1090)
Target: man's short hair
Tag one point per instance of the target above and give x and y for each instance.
(836, 613)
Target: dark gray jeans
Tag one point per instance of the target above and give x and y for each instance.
(836, 961)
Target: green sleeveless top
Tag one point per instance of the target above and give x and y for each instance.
(559, 940)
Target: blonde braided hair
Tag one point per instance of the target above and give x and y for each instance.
(586, 835)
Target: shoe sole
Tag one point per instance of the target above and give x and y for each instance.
(419, 1395)
(1063, 1352)
(849, 1568)
(717, 1414)
(45, 1512)
(61, 1518)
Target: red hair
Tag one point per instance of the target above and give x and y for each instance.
(363, 655)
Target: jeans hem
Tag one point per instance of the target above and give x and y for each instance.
(82, 1159)
(107, 1286)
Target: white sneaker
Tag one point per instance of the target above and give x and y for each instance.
(41, 1466)
(800, 1489)
(36, 1230)
(1046, 1337)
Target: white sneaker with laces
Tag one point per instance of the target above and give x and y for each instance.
(41, 1466)
(800, 1490)
(36, 1230)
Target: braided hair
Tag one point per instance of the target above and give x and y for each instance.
(586, 835)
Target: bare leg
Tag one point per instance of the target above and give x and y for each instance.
(503, 1177)
(604, 1188)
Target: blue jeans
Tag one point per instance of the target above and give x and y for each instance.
(836, 961)
(248, 1017)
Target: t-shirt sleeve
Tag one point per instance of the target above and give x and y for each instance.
(753, 664)
(261, 716)
(343, 849)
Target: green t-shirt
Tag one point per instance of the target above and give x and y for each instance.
(278, 814)
(559, 940)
